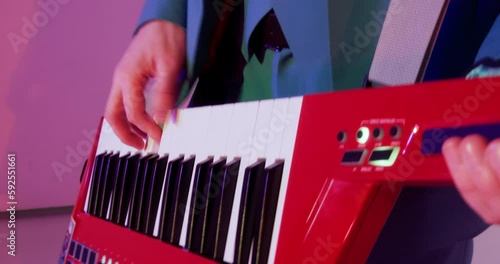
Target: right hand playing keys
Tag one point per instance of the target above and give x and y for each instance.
(157, 51)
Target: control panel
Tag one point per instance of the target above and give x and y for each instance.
(375, 143)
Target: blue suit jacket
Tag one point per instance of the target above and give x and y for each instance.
(313, 30)
(427, 225)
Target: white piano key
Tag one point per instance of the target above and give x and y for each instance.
(186, 128)
(109, 141)
(199, 122)
(277, 126)
(291, 120)
(196, 124)
(261, 133)
(167, 144)
(218, 130)
(239, 144)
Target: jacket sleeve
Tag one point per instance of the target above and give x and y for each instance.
(169, 10)
(491, 44)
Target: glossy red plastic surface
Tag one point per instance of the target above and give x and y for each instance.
(417, 108)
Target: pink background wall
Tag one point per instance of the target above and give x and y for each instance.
(54, 89)
(52, 92)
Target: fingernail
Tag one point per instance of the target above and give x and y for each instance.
(471, 155)
(493, 154)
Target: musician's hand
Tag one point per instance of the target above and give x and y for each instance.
(157, 51)
(475, 167)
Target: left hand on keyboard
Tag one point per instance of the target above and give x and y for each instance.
(475, 167)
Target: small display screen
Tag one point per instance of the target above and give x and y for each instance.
(381, 155)
(353, 156)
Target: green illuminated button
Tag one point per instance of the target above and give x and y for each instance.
(383, 156)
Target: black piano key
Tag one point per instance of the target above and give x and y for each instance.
(118, 188)
(138, 189)
(93, 184)
(180, 198)
(108, 182)
(127, 188)
(159, 176)
(100, 184)
(78, 251)
(197, 207)
(85, 254)
(251, 200)
(210, 219)
(146, 194)
(92, 257)
(267, 213)
(167, 204)
(72, 247)
(228, 183)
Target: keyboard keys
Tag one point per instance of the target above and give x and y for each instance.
(289, 121)
(238, 146)
(138, 189)
(216, 187)
(108, 180)
(127, 187)
(167, 204)
(146, 193)
(118, 188)
(228, 183)
(99, 187)
(78, 251)
(266, 215)
(198, 206)
(85, 254)
(92, 257)
(72, 247)
(181, 197)
(212, 204)
(251, 200)
(158, 177)
(92, 192)
(196, 122)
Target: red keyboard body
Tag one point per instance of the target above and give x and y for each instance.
(354, 151)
